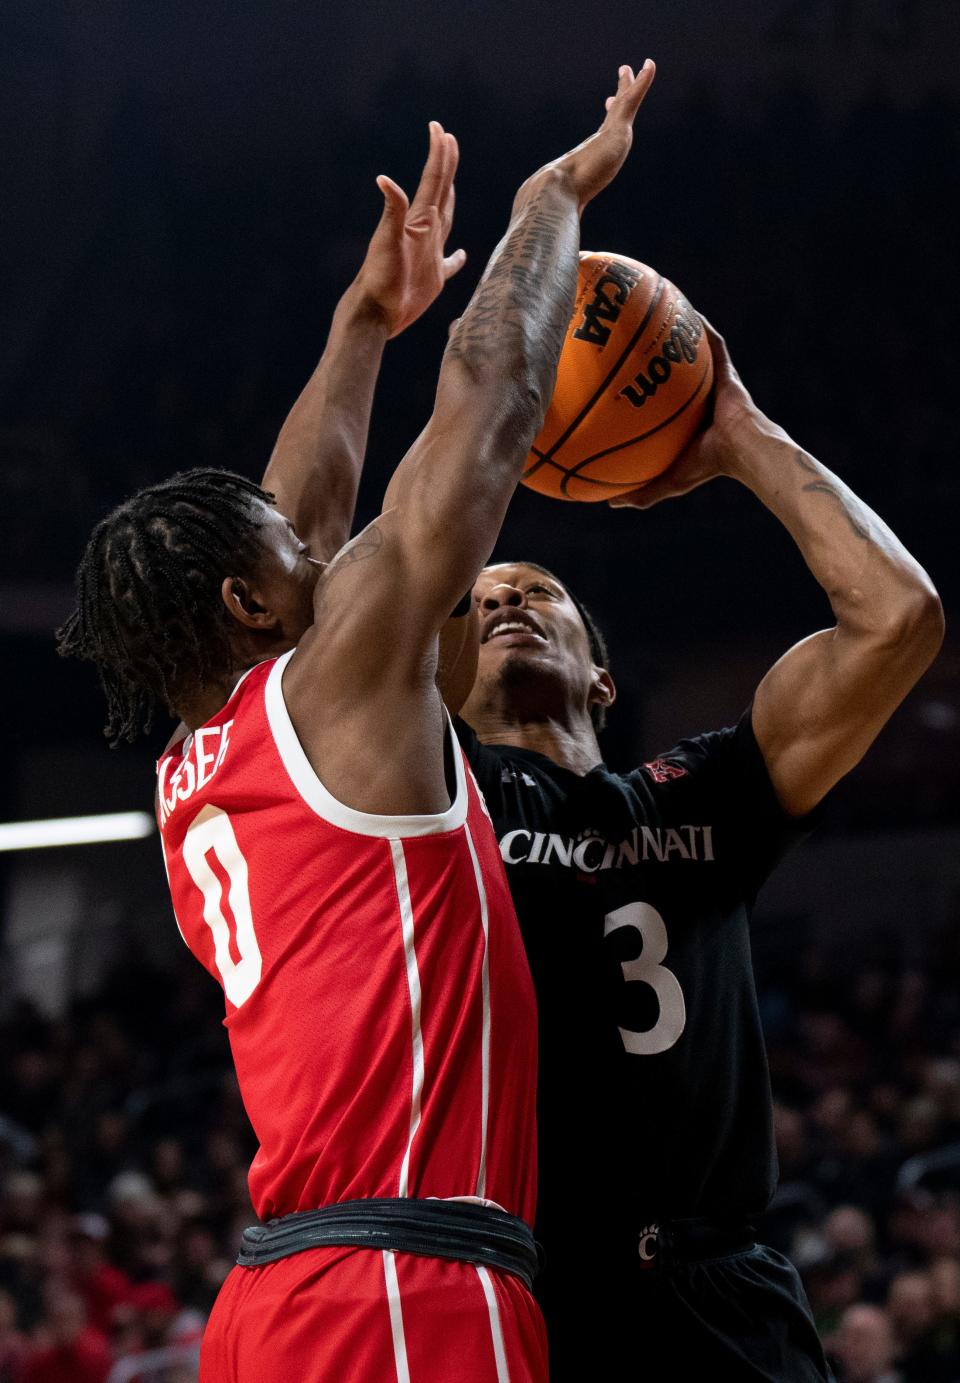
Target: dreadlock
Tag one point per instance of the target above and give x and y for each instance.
(598, 644)
(149, 613)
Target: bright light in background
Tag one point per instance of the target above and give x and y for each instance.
(75, 830)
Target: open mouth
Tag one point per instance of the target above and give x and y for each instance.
(513, 626)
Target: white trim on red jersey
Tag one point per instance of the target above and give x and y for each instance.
(327, 806)
(485, 1033)
(413, 986)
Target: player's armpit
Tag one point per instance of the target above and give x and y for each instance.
(457, 664)
(818, 709)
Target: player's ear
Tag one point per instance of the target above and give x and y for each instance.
(603, 690)
(244, 604)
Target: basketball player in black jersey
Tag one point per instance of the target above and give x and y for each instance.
(634, 893)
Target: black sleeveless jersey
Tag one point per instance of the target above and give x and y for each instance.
(634, 894)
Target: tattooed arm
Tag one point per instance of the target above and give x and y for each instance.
(450, 493)
(378, 607)
(446, 501)
(819, 708)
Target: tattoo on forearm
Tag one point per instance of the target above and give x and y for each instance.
(823, 487)
(527, 293)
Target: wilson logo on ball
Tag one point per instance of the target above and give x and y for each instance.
(624, 409)
(681, 344)
(610, 294)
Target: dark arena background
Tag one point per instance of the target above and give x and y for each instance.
(186, 192)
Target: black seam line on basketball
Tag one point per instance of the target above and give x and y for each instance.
(574, 472)
(548, 454)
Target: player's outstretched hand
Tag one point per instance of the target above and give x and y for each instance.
(405, 267)
(597, 161)
(714, 451)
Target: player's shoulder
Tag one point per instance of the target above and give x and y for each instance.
(731, 751)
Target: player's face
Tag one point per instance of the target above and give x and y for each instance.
(286, 576)
(528, 622)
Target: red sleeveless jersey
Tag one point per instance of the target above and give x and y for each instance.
(378, 1001)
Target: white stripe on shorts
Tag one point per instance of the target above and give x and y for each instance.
(496, 1329)
(396, 1316)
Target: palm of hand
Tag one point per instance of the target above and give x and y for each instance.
(405, 268)
(410, 269)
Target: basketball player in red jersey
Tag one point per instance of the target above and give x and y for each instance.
(331, 863)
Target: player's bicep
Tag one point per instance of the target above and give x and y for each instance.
(821, 706)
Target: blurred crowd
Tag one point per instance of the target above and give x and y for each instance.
(866, 1073)
(124, 1147)
(123, 1156)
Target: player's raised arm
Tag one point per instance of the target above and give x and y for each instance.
(820, 707)
(448, 497)
(360, 687)
(316, 464)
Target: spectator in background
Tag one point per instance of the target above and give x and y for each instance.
(69, 1349)
(864, 1348)
(911, 1310)
(13, 1345)
(850, 1230)
(101, 1286)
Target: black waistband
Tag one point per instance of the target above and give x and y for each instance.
(692, 1240)
(433, 1228)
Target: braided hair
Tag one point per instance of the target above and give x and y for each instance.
(149, 612)
(599, 652)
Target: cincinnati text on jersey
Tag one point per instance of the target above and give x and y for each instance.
(591, 852)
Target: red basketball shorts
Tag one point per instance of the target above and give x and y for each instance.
(346, 1315)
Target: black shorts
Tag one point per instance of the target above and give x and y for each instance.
(737, 1317)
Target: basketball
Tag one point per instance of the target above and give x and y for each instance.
(632, 384)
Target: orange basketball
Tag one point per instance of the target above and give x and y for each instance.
(632, 384)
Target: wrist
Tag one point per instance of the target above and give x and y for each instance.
(550, 181)
(360, 307)
(753, 445)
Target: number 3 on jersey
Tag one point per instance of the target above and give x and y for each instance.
(647, 969)
(211, 833)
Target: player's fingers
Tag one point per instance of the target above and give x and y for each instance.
(717, 344)
(448, 195)
(395, 202)
(724, 369)
(452, 264)
(631, 90)
(431, 179)
(446, 215)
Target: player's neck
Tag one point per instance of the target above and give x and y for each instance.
(196, 710)
(570, 744)
(209, 700)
